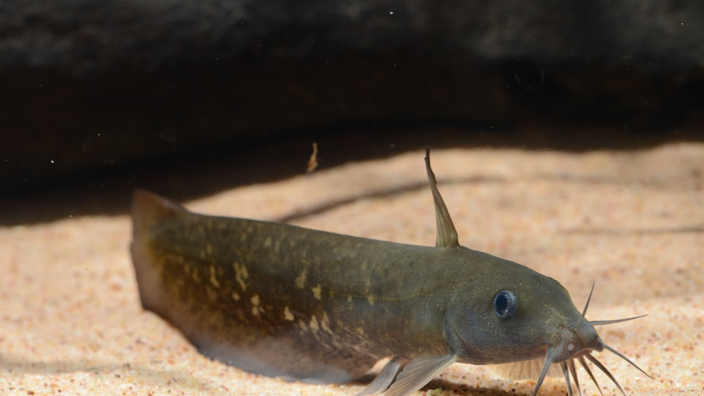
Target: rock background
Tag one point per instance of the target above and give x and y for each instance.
(93, 88)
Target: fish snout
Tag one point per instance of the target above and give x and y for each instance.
(584, 340)
(578, 341)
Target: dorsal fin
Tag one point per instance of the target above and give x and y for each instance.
(446, 233)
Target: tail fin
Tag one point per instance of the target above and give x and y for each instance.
(148, 211)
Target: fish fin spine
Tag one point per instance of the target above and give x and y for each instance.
(446, 232)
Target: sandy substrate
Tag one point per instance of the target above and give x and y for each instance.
(71, 323)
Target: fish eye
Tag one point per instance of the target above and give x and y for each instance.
(505, 303)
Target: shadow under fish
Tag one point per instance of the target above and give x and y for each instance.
(320, 307)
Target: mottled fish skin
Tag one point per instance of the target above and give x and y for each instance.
(314, 306)
(232, 285)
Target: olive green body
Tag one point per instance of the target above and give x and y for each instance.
(315, 306)
(342, 303)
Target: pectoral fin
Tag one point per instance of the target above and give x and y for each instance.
(383, 380)
(447, 235)
(419, 372)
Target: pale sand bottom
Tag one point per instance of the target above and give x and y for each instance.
(71, 323)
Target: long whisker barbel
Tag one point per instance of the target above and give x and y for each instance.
(573, 371)
(586, 306)
(591, 375)
(608, 322)
(568, 367)
(605, 371)
(544, 372)
(566, 372)
(617, 353)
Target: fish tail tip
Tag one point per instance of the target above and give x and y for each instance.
(148, 208)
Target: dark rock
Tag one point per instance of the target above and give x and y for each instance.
(90, 87)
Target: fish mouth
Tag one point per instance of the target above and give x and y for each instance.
(569, 368)
(578, 342)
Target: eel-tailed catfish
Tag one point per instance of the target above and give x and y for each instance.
(314, 306)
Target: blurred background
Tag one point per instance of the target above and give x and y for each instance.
(193, 97)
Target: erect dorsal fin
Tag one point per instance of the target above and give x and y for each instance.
(446, 233)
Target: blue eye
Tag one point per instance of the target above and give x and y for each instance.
(505, 303)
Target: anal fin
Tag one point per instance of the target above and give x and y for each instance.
(527, 369)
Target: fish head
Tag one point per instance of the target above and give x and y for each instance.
(512, 313)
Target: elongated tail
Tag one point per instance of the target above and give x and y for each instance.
(149, 210)
(195, 272)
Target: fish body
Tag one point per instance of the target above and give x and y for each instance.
(315, 306)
